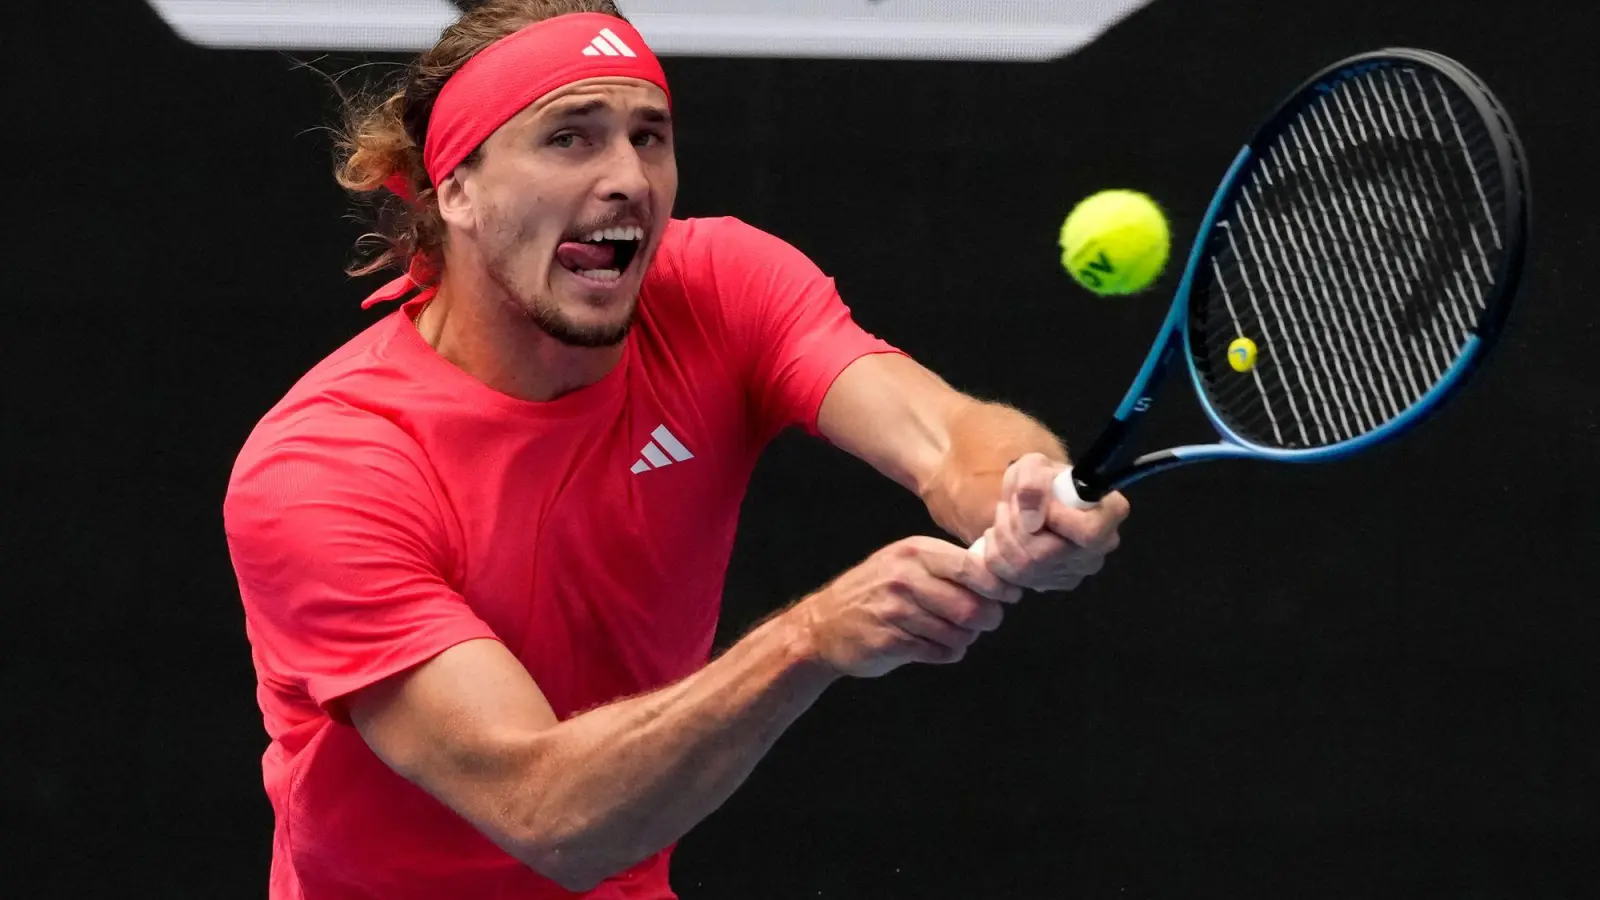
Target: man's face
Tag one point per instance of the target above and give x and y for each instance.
(568, 203)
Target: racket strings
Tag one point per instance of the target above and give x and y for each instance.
(1359, 255)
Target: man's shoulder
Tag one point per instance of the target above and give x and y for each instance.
(720, 260)
(346, 405)
(705, 239)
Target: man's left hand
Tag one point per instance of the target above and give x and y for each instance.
(1040, 543)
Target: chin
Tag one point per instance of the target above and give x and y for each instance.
(584, 324)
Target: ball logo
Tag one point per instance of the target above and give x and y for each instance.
(1100, 265)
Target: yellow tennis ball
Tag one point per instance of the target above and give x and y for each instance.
(1242, 354)
(1115, 242)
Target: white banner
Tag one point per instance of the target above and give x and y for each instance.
(879, 29)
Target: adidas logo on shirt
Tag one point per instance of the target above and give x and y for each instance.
(656, 452)
(608, 44)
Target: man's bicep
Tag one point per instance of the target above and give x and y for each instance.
(893, 413)
(462, 726)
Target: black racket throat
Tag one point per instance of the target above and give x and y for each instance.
(1111, 463)
(1089, 473)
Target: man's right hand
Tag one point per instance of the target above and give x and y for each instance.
(917, 600)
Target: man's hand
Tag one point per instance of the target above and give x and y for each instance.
(916, 600)
(1037, 541)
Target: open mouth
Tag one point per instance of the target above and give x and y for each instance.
(602, 256)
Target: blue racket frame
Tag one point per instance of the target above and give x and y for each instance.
(1098, 471)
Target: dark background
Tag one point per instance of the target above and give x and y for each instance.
(1374, 679)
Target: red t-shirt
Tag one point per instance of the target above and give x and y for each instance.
(391, 506)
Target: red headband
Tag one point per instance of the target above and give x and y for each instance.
(506, 77)
(509, 75)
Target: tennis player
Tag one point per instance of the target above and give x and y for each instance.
(481, 546)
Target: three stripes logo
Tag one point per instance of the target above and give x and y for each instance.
(608, 44)
(663, 450)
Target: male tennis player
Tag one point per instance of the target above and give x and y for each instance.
(481, 546)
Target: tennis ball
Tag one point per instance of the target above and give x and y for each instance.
(1242, 354)
(1115, 242)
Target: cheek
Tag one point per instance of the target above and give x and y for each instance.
(516, 226)
(489, 215)
(665, 184)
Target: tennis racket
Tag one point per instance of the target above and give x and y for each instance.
(1368, 241)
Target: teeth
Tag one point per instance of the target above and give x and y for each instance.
(601, 274)
(629, 233)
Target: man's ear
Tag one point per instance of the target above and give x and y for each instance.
(455, 201)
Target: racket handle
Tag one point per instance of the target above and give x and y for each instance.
(1065, 490)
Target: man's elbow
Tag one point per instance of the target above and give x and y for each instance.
(577, 878)
(564, 862)
(543, 820)
(568, 843)
(518, 806)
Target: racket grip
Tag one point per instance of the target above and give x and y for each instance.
(1065, 490)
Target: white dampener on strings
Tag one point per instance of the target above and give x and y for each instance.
(1064, 489)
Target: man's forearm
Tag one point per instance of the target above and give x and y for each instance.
(984, 439)
(621, 782)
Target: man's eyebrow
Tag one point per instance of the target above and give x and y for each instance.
(578, 110)
(652, 114)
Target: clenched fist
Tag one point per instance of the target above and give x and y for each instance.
(917, 600)
(1039, 542)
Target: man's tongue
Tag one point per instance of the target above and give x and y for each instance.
(578, 256)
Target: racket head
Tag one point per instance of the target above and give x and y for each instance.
(1369, 239)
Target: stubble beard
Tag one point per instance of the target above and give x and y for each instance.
(543, 311)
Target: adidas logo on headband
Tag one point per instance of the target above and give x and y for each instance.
(608, 44)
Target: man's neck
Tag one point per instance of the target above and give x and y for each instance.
(484, 335)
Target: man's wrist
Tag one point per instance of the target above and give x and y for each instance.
(794, 633)
(950, 493)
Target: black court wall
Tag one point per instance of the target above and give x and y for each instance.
(1370, 680)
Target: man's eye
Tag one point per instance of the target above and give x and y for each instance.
(647, 139)
(564, 139)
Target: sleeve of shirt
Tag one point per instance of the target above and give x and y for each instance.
(789, 331)
(338, 543)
